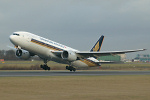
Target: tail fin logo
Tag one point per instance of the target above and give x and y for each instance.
(96, 48)
(98, 45)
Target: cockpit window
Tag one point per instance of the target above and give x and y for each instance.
(16, 34)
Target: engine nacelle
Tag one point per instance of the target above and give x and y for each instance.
(22, 54)
(69, 55)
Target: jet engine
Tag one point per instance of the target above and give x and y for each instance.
(69, 55)
(22, 54)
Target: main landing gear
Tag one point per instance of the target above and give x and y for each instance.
(70, 68)
(45, 67)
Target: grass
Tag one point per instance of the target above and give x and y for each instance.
(35, 65)
(76, 88)
(127, 66)
(29, 65)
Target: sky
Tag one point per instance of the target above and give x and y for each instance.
(79, 23)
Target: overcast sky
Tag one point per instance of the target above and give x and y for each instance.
(79, 23)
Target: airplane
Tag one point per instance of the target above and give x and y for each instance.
(28, 44)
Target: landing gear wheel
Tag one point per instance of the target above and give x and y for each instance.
(70, 68)
(45, 67)
(66, 67)
(74, 69)
(49, 68)
(41, 66)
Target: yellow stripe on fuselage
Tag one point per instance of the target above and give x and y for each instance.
(89, 62)
(96, 47)
(46, 45)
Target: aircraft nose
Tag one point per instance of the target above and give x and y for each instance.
(11, 38)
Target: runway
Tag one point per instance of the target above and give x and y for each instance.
(67, 73)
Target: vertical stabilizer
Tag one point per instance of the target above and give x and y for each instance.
(97, 46)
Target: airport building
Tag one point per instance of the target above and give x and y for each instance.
(116, 58)
(142, 58)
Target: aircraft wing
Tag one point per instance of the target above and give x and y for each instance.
(97, 54)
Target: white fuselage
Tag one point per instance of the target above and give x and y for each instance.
(44, 48)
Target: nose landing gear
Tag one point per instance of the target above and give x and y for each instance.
(45, 67)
